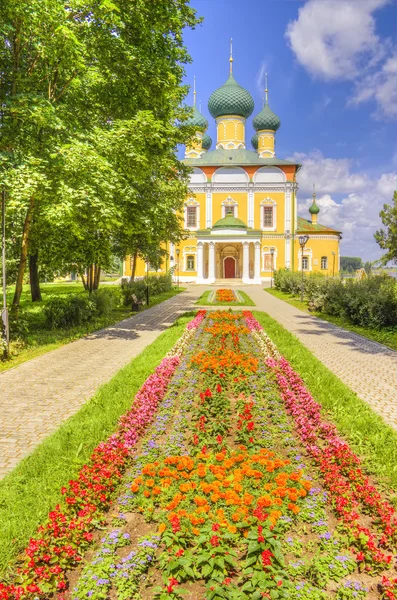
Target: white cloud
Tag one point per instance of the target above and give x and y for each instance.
(382, 86)
(357, 213)
(337, 40)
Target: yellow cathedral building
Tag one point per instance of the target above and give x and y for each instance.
(241, 216)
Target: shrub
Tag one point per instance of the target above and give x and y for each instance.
(106, 299)
(69, 311)
(157, 285)
(370, 303)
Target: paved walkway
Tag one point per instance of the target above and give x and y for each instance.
(37, 396)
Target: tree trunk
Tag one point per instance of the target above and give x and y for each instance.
(83, 280)
(97, 275)
(134, 266)
(89, 278)
(34, 277)
(24, 253)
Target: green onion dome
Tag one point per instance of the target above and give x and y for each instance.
(254, 141)
(229, 222)
(266, 119)
(206, 142)
(314, 208)
(231, 99)
(198, 120)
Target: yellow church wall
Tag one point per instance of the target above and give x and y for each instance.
(230, 129)
(278, 198)
(315, 249)
(242, 201)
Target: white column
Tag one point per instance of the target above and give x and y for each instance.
(200, 257)
(211, 262)
(250, 207)
(208, 206)
(288, 207)
(246, 259)
(287, 251)
(257, 263)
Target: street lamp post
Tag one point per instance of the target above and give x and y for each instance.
(333, 264)
(271, 266)
(177, 258)
(302, 242)
(4, 313)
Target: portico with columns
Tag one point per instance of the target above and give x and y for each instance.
(232, 259)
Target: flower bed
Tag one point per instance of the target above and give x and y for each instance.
(237, 488)
(225, 295)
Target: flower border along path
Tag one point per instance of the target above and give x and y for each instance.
(225, 487)
(225, 297)
(62, 540)
(221, 501)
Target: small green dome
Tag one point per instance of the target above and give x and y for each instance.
(231, 99)
(229, 222)
(198, 120)
(206, 142)
(254, 141)
(266, 119)
(314, 209)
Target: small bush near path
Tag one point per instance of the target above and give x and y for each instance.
(66, 313)
(33, 487)
(205, 300)
(368, 303)
(386, 336)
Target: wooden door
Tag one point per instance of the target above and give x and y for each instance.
(230, 268)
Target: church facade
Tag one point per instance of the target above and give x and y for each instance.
(241, 216)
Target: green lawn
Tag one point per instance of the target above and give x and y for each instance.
(33, 487)
(367, 433)
(203, 300)
(386, 336)
(38, 340)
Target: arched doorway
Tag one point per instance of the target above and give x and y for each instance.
(229, 266)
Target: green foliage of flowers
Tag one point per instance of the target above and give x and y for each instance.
(204, 300)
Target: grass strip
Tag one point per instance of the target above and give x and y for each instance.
(33, 487)
(386, 336)
(40, 341)
(367, 433)
(203, 300)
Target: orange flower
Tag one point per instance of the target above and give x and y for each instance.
(162, 527)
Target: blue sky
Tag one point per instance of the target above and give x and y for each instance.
(332, 69)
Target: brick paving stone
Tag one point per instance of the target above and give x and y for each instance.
(38, 395)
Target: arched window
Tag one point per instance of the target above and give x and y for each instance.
(190, 262)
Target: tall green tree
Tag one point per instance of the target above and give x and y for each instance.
(69, 70)
(350, 263)
(387, 238)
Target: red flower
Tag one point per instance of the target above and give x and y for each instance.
(179, 552)
(250, 426)
(219, 439)
(219, 388)
(360, 556)
(215, 527)
(266, 558)
(214, 541)
(173, 582)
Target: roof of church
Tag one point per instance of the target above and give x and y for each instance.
(229, 222)
(305, 226)
(231, 99)
(238, 157)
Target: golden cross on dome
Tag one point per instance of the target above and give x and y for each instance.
(231, 55)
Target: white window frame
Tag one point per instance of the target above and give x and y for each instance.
(326, 263)
(307, 253)
(189, 251)
(187, 268)
(268, 202)
(191, 203)
(229, 202)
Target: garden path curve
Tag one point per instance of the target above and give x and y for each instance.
(39, 395)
